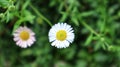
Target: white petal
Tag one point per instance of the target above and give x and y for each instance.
(18, 42)
(66, 43)
(52, 39)
(53, 43)
(29, 44)
(32, 38)
(30, 41)
(32, 34)
(16, 39)
(58, 44)
(24, 44)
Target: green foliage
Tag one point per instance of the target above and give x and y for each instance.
(96, 26)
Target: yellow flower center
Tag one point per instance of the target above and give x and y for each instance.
(24, 35)
(61, 35)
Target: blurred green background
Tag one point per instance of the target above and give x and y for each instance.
(96, 25)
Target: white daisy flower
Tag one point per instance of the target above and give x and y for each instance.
(24, 37)
(61, 35)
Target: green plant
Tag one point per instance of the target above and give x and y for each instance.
(96, 26)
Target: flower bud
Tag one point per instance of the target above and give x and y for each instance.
(1, 15)
(11, 8)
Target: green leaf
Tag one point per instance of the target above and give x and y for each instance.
(64, 16)
(81, 63)
(4, 3)
(61, 64)
(89, 39)
(75, 21)
(25, 4)
(69, 53)
(114, 48)
(85, 14)
(17, 24)
(97, 46)
(7, 17)
(26, 52)
(28, 16)
(101, 25)
(82, 54)
(100, 57)
(61, 6)
(103, 46)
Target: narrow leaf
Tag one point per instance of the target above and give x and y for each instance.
(89, 39)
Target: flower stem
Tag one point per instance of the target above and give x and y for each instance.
(39, 14)
(89, 28)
